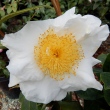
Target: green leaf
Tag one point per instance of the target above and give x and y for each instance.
(3, 19)
(108, 1)
(105, 78)
(1, 46)
(14, 6)
(70, 105)
(103, 11)
(14, 9)
(9, 9)
(68, 97)
(27, 105)
(6, 72)
(90, 94)
(2, 64)
(107, 96)
(80, 1)
(96, 5)
(41, 9)
(102, 58)
(56, 106)
(106, 65)
(97, 72)
(4, 27)
(72, 4)
(91, 105)
(2, 12)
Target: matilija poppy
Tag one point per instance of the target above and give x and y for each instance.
(52, 57)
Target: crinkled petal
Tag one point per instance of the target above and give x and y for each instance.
(83, 79)
(91, 22)
(43, 91)
(103, 33)
(24, 68)
(61, 95)
(61, 20)
(77, 27)
(91, 42)
(13, 80)
(27, 37)
(21, 50)
(80, 26)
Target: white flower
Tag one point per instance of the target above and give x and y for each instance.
(51, 57)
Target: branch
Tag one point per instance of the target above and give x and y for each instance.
(57, 7)
(2, 34)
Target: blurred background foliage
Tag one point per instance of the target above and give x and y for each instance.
(99, 8)
(91, 99)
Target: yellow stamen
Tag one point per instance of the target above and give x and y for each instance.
(56, 55)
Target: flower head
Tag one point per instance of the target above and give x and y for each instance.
(56, 55)
(51, 57)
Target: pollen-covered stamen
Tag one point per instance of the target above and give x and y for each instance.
(57, 55)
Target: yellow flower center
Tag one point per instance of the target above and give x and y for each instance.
(56, 55)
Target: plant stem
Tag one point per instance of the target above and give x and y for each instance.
(57, 7)
(1, 33)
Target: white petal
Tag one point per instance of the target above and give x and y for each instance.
(103, 33)
(86, 65)
(82, 84)
(92, 22)
(77, 27)
(95, 61)
(61, 20)
(62, 94)
(82, 26)
(91, 42)
(84, 77)
(27, 37)
(13, 81)
(21, 50)
(43, 91)
(25, 69)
